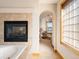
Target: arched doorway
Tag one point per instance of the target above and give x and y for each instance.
(46, 27)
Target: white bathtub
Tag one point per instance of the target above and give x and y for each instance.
(11, 51)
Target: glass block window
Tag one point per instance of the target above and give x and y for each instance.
(70, 18)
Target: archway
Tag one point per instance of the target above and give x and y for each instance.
(46, 27)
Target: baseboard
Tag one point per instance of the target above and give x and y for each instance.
(59, 53)
(36, 53)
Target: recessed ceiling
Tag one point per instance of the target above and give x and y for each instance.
(22, 3)
(16, 3)
(48, 1)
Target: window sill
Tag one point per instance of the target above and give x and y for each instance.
(71, 48)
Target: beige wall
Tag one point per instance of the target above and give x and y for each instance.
(65, 52)
(43, 24)
(15, 17)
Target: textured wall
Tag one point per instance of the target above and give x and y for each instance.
(15, 17)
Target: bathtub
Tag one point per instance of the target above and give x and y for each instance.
(11, 51)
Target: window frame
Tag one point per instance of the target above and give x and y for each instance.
(70, 47)
(47, 28)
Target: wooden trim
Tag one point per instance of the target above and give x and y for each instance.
(62, 57)
(60, 27)
(65, 2)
